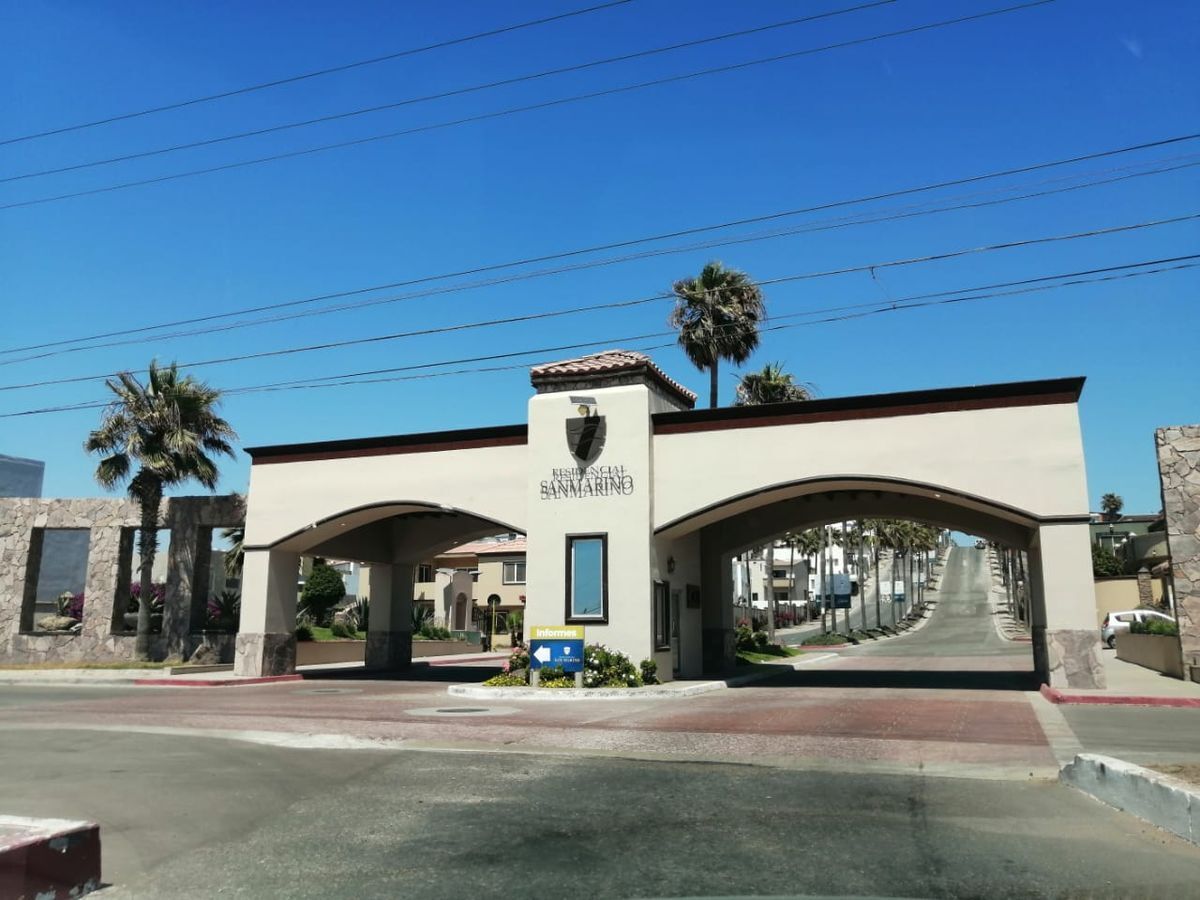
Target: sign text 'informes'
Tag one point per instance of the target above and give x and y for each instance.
(594, 481)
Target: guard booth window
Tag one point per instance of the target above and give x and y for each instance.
(587, 578)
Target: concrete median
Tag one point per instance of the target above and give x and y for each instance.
(1169, 803)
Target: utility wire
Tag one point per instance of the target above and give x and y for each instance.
(519, 79)
(913, 301)
(412, 51)
(809, 228)
(547, 104)
(616, 245)
(380, 338)
(965, 295)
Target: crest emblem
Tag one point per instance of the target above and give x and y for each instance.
(585, 438)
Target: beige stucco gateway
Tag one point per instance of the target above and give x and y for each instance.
(633, 504)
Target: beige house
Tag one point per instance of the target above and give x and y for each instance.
(495, 567)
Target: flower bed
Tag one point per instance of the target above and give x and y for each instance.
(603, 667)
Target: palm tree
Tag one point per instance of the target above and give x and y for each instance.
(1111, 505)
(236, 554)
(808, 542)
(717, 313)
(771, 385)
(166, 429)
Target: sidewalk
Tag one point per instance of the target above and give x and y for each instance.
(161, 677)
(1131, 685)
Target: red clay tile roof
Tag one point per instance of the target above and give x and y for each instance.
(606, 362)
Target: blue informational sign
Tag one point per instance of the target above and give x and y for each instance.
(564, 654)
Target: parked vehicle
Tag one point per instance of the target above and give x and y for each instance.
(1116, 622)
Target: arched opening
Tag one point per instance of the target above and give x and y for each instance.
(721, 544)
(393, 542)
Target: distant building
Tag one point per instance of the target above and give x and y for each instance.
(21, 477)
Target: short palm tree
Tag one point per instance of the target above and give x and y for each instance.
(771, 385)
(717, 313)
(155, 436)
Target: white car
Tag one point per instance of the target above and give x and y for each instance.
(1116, 622)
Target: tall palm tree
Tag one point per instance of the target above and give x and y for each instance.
(717, 313)
(1111, 505)
(156, 436)
(808, 542)
(771, 385)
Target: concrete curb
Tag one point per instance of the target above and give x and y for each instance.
(1054, 695)
(48, 858)
(480, 692)
(659, 692)
(1168, 803)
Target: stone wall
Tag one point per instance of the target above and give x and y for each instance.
(110, 523)
(1179, 470)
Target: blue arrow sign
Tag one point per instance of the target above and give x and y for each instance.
(566, 655)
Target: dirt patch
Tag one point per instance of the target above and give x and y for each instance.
(1185, 772)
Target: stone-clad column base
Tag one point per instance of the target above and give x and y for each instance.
(1074, 658)
(258, 655)
(389, 649)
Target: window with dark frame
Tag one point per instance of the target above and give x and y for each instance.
(587, 578)
(424, 573)
(662, 615)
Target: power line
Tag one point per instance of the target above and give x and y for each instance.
(314, 74)
(913, 301)
(505, 82)
(547, 104)
(808, 228)
(616, 245)
(330, 345)
(961, 296)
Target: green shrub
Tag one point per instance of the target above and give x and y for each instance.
(323, 590)
(760, 640)
(1154, 626)
(824, 640)
(431, 632)
(649, 671)
(341, 630)
(603, 667)
(744, 638)
(1104, 562)
(303, 632)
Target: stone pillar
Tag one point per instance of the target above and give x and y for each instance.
(389, 623)
(183, 561)
(1145, 593)
(718, 646)
(1066, 640)
(266, 641)
(1179, 471)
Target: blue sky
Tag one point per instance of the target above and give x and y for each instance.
(1069, 78)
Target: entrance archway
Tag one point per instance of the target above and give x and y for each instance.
(715, 534)
(390, 539)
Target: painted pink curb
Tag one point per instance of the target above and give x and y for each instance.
(225, 682)
(1054, 695)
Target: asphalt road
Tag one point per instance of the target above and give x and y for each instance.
(202, 818)
(960, 616)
